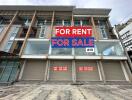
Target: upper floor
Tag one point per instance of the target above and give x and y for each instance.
(28, 30)
(42, 20)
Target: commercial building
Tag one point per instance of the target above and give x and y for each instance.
(26, 52)
(125, 34)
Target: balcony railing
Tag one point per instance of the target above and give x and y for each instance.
(102, 48)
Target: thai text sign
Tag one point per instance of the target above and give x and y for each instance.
(60, 68)
(85, 68)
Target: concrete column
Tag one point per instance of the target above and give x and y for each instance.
(73, 71)
(46, 71)
(95, 33)
(99, 70)
(102, 71)
(52, 23)
(22, 70)
(124, 71)
(128, 71)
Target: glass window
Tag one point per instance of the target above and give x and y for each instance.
(37, 47)
(85, 22)
(2, 66)
(14, 32)
(48, 22)
(8, 46)
(1, 29)
(77, 23)
(13, 74)
(82, 52)
(27, 22)
(40, 22)
(103, 32)
(58, 22)
(42, 32)
(67, 23)
(7, 72)
(109, 48)
(14, 71)
(61, 51)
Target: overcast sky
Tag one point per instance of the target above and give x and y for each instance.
(121, 9)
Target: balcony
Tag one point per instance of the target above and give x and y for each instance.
(37, 48)
(103, 49)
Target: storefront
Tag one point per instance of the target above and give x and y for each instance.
(34, 70)
(9, 67)
(86, 70)
(60, 70)
(113, 71)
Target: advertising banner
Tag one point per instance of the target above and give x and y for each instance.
(58, 42)
(76, 31)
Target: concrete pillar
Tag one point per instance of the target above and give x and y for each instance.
(46, 71)
(99, 70)
(73, 71)
(22, 70)
(52, 23)
(95, 33)
(102, 71)
(124, 71)
(128, 71)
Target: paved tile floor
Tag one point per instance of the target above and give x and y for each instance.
(65, 92)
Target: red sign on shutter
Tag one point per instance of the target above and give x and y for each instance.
(60, 68)
(85, 68)
(55, 68)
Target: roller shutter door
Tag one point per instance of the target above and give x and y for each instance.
(34, 70)
(87, 71)
(60, 70)
(113, 70)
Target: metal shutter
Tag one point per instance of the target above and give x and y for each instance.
(113, 70)
(34, 70)
(60, 75)
(87, 75)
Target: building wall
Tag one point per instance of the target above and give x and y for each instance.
(37, 50)
(127, 32)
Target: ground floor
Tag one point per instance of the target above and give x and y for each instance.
(74, 70)
(42, 91)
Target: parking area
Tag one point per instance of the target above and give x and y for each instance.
(44, 91)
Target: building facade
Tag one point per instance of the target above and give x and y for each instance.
(125, 33)
(26, 52)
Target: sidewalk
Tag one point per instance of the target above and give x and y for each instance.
(52, 91)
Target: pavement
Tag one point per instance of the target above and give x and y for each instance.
(46, 91)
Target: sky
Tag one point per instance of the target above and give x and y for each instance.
(121, 9)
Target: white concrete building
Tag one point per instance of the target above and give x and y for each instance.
(126, 37)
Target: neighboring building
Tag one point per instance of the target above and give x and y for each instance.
(125, 33)
(25, 31)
